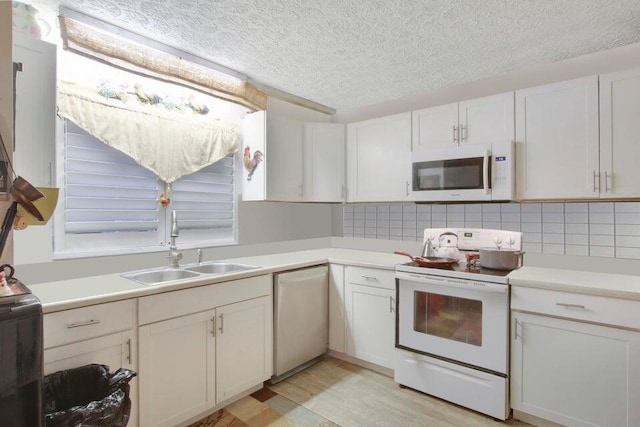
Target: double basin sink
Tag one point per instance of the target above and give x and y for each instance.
(159, 276)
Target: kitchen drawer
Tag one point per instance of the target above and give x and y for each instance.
(588, 308)
(371, 277)
(79, 324)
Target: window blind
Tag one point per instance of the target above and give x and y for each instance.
(105, 190)
(111, 202)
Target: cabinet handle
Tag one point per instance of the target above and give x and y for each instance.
(129, 351)
(370, 278)
(596, 178)
(463, 136)
(407, 187)
(391, 304)
(607, 175)
(515, 337)
(213, 326)
(564, 304)
(455, 138)
(221, 323)
(81, 324)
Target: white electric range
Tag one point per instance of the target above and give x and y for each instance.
(452, 326)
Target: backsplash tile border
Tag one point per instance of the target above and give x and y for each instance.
(602, 229)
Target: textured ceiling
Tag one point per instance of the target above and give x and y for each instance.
(348, 54)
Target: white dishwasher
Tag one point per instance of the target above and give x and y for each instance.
(301, 319)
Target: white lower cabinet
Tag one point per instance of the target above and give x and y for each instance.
(75, 338)
(177, 369)
(243, 347)
(370, 311)
(572, 372)
(192, 361)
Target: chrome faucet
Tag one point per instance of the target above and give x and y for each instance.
(174, 255)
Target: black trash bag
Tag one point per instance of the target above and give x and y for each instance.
(87, 396)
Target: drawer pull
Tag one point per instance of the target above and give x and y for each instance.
(80, 324)
(564, 304)
(370, 278)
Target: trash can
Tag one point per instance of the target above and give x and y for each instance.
(88, 395)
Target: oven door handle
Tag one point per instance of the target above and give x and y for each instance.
(455, 283)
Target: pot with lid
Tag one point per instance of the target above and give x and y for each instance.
(500, 258)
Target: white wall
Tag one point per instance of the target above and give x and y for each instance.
(596, 63)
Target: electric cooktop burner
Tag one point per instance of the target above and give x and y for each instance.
(461, 267)
(457, 271)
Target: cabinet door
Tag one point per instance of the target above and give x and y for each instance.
(557, 140)
(115, 350)
(619, 148)
(435, 127)
(575, 373)
(324, 167)
(379, 159)
(35, 136)
(487, 120)
(244, 346)
(371, 320)
(337, 317)
(284, 159)
(254, 138)
(177, 362)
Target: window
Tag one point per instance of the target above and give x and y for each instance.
(110, 203)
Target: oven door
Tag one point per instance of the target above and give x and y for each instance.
(460, 320)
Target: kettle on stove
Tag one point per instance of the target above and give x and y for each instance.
(447, 246)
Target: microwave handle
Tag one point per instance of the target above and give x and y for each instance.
(485, 168)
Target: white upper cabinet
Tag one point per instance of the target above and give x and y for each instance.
(435, 127)
(323, 162)
(619, 147)
(475, 121)
(283, 159)
(35, 136)
(557, 140)
(297, 161)
(379, 159)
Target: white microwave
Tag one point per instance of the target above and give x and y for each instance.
(464, 173)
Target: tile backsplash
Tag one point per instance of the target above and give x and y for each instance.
(602, 229)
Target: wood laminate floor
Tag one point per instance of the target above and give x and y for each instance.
(336, 393)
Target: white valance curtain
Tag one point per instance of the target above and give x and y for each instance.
(170, 144)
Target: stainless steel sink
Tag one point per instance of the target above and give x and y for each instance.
(157, 277)
(219, 267)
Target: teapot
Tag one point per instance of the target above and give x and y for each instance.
(448, 246)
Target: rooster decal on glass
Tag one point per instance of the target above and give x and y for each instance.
(250, 163)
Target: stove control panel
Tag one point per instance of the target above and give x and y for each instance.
(471, 239)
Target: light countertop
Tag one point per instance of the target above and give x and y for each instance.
(74, 293)
(578, 281)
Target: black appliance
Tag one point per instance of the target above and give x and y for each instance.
(21, 353)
